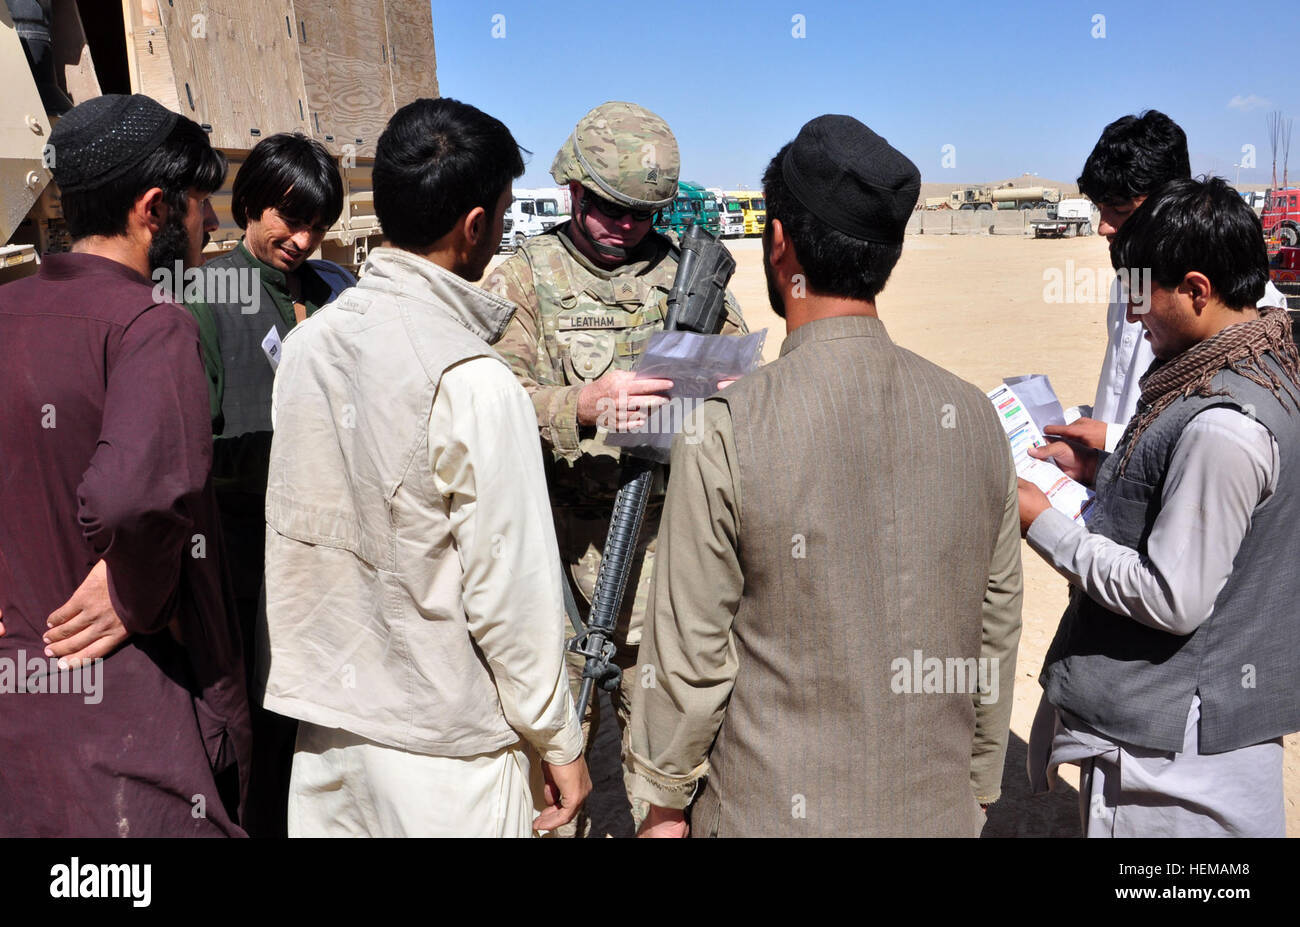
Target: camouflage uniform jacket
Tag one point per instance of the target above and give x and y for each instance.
(575, 322)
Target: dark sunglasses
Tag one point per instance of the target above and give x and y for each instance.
(617, 211)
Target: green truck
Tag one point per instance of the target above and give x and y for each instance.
(693, 204)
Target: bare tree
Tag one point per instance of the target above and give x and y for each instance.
(1274, 135)
(1279, 137)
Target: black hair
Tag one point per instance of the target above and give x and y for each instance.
(833, 263)
(437, 160)
(292, 174)
(1135, 156)
(184, 161)
(1197, 225)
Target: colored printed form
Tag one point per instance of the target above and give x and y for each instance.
(1024, 418)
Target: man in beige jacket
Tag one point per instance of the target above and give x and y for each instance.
(414, 613)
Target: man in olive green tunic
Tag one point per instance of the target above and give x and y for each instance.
(285, 197)
(590, 293)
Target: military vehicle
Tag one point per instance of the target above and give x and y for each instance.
(1005, 197)
(244, 70)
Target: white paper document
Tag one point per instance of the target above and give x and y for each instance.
(271, 347)
(1023, 420)
(695, 363)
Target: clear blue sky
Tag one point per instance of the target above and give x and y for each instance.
(1013, 86)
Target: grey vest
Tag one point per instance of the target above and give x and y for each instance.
(866, 533)
(1134, 683)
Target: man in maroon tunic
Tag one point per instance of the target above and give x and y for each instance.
(109, 543)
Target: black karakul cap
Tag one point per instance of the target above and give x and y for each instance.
(104, 137)
(852, 179)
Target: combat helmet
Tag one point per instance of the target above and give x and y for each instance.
(623, 153)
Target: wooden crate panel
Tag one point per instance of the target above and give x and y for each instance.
(335, 69)
(411, 59)
(313, 23)
(151, 61)
(344, 64)
(234, 65)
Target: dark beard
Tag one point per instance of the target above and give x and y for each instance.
(171, 244)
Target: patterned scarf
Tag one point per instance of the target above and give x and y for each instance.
(1240, 348)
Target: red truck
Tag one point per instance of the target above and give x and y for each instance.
(1281, 216)
(1284, 271)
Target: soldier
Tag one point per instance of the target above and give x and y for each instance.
(590, 294)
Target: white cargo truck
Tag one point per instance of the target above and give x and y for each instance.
(532, 212)
(1069, 218)
(731, 215)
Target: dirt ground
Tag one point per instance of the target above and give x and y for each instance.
(976, 306)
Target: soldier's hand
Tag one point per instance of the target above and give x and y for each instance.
(620, 402)
(567, 787)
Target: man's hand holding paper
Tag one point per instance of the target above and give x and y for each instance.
(1025, 406)
(1076, 461)
(1087, 431)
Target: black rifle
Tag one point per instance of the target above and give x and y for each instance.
(696, 303)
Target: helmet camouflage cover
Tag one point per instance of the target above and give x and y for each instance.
(622, 152)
